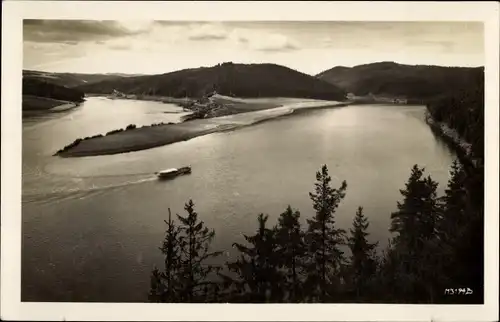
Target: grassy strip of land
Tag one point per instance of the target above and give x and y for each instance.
(146, 137)
(151, 98)
(121, 141)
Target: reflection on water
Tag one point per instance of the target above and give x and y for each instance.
(92, 226)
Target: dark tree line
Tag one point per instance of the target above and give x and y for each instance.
(435, 238)
(36, 87)
(463, 110)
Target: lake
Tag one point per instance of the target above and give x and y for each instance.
(92, 226)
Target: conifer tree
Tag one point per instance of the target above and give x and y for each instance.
(418, 213)
(415, 245)
(186, 276)
(194, 244)
(165, 284)
(363, 262)
(460, 231)
(323, 238)
(291, 251)
(257, 278)
(454, 204)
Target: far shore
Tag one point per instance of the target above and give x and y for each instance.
(152, 98)
(154, 136)
(44, 104)
(462, 148)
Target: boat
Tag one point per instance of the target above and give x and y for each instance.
(173, 172)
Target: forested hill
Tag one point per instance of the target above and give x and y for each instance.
(392, 79)
(40, 88)
(241, 80)
(69, 79)
(463, 110)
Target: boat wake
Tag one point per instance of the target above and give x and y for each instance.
(98, 176)
(89, 189)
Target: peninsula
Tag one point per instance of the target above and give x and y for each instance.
(248, 112)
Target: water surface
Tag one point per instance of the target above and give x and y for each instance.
(92, 226)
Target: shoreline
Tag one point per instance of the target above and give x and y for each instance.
(147, 98)
(155, 136)
(40, 104)
(462, 148)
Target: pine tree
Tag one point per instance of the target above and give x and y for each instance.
(454, 203)
(387, 286)
(257, 277)
(323, 238)
(363, 262)
(415, 245)
(194, 243)
(291, 251)
(460, 231)
(165, 285)
(418, 214)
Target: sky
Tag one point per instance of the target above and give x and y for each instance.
(155, 47)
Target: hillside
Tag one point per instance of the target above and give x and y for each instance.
(69, 79)
(463, 111)
(51, 94)
(397, 80)
(240, 80)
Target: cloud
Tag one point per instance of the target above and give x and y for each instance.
(116, 44)
(172, 23)
(58, 31)
(36, 54)
(441, 45)
(137, 44)
(264, 41)
(278, 47)
(120, 47)
(45, 47)
(207, 31)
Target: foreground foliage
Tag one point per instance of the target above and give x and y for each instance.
(434, 241)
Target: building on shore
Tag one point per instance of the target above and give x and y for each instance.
(400, 101)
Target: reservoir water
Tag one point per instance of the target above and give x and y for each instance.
(92, 226)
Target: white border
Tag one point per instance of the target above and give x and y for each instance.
(14, 11)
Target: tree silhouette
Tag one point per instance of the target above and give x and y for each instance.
(165, 285)
(362, 262)
(461, 231)
(324, 239)
(415, 223)
(194, 243)
(417, 216)
(257, 277)
(291, 252)
(187, 250)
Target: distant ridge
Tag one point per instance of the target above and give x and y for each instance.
(393, 79)
(42, 94)
(70, 79)
(240, 80)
